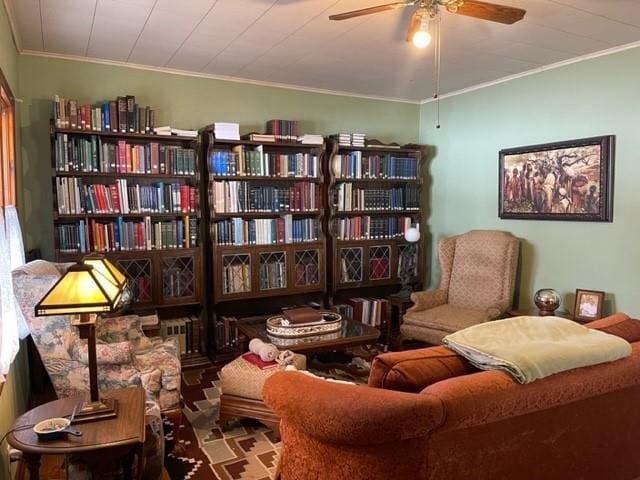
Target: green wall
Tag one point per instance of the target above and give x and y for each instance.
(182, 101)
(15, 392)
(596, 97)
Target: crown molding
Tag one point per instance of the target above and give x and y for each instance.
(544, 68)
(212, 76)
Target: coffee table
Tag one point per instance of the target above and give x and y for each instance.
(350, 334)
(101, 442)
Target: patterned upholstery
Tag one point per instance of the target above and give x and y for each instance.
(125, 355)
(477, 279)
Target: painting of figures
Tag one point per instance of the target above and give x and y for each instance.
(570, 180)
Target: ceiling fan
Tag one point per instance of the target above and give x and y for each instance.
(426, 10)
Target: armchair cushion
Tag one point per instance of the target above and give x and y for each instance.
(445, 317)
(106, 353)
(427, 299)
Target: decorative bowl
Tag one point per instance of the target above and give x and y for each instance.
(547, 300)
(53, 428)
(331, 322)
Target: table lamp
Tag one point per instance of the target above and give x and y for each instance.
(408, 265)
(86, 288)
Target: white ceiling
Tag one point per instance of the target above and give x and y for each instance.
(293, 42)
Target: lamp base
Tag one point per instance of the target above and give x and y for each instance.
(100, 410)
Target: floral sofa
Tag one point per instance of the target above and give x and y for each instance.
(125, 355)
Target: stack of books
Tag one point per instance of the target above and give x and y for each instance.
(226, 130)
(242, 161)
(311, 139)
(350, 199)
(370, 311)
(366, 227)
(168, 130)
(186, 330)
(244, 197)
(259, 137)
(265, 231)
(350, 139)
(355, 165)
(226, 332)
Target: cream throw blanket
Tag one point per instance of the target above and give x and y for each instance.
(530, 348)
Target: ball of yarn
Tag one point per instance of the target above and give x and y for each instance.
(266, 351)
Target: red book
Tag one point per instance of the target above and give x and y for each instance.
(127, 158)
(280, 230)
(115, 198)
(184, 198)
(258, 362)
(140, 239)
(192, 199)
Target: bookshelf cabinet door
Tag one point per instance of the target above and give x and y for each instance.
(272, 271)
(139, 273)
(179, 279)
(235, 275)
(307, 269)
(408, 260)
(351, 265)
(379, 262)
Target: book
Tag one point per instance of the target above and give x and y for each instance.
(254, 359)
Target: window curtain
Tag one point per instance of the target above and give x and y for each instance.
(12, 324)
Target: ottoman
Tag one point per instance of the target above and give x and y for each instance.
(241, 386)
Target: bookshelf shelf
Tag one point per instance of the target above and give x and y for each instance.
(264, 178)
(165, 280)
(276, 213)
(367, 244)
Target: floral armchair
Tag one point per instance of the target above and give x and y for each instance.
(125, 355)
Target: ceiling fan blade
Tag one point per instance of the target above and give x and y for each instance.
(414, 25)
(370, 10)
(490, 11)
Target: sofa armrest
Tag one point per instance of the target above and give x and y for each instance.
(350, 414)
(618, 324)
(427, 299)
(413, 370)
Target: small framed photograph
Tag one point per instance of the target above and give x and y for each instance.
(588, 305)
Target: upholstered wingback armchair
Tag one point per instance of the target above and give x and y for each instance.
(125, 355)
(477, 277)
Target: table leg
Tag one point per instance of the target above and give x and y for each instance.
(33, 464)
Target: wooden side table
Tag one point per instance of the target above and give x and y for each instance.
(397, 308)
(101, 442)
(534, 312)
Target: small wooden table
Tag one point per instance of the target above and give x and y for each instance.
(122, 436)
(350, 335)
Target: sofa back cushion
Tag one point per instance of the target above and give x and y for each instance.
(483, 269)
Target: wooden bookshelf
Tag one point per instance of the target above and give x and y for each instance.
(280, 256)
(364, 264)
(167, 279)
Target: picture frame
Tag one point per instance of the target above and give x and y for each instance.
(588, 305)
(569, 180)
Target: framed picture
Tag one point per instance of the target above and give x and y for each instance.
(570, 180)
(588, 305)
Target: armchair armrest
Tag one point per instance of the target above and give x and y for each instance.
(350, 414)
(414, 370)
(497, 309)
(427, 299)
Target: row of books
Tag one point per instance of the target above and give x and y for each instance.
(370, 311)
(283, 130)
(226, 332)
(265, 231)
(243, 161)
(355, 165)
(123, 197)
(350, 198)
(366, 227)
(120, 235)
(350, 139)
(304, 139)
(93, 155)
(236, 277)
(120, 115)
(243, 196)
(186, 330)
(272, 273)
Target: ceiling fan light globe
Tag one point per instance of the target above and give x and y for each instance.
(421, 39)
